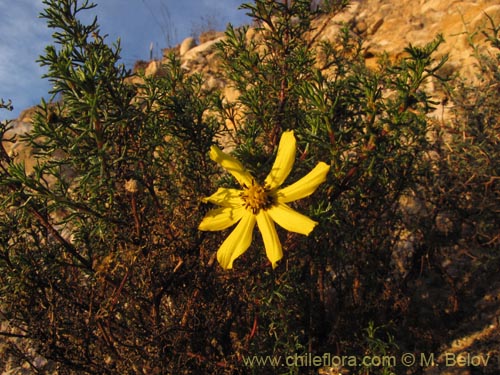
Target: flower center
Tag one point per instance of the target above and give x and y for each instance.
(256, 197)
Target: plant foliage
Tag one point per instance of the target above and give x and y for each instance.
(103, 269)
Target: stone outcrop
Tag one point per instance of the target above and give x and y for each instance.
(186, 45)
(12, 139)
(390, 26)
(387, 26)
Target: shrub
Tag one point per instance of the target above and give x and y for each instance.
(102, 267)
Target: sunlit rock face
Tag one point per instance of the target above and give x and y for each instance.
(384, 26)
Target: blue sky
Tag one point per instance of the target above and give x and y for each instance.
(138, 23)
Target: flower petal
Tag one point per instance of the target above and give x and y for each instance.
(291, 220)
(221, 218)
(231, 165)
(270, 237)
(284, 161)
(237, 242)
(305, 186)
(226, 198)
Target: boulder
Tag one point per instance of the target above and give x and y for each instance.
(186, 45)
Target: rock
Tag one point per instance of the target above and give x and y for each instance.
(199, 58)
(154, 69)
(391, 27)
(13, 144)
(186, 45)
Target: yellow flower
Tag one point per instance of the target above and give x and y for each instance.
(262, 204)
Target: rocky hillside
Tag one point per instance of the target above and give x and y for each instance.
(386, 27)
